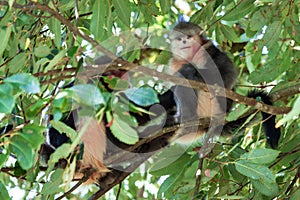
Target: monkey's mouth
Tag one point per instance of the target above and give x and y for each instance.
(185, 47)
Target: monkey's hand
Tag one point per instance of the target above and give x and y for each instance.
(200, 58)
(189, 71)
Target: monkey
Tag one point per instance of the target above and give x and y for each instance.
(194, 57)
(97, 136)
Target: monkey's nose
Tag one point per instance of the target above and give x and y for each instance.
(184, 41)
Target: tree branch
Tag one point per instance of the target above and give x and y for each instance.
(286, 92)
(115, 176)
(218, 91)
(198, 178)
(45, 8)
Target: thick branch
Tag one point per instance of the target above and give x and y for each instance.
(116, 177)
(218, 91)
(286, 92)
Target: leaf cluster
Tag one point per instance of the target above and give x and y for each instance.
(44, 45)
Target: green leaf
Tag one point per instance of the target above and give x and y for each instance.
(259, 19)
(62, 151)
(66, 5)
(235, 174)
(296, 195)
(72, 51)
(237, 112)
(55, 27)
(290, 143)
(33, 134)
(116, 83)
(24, 151)
(26, 82)
(242, 8)
(123, 11)
(170, 165)
(87, 94)
(266, 188)
(3, 157)
(35, 108)
(133, 55)
(142, 96)
(165, 6)
(53, 186)
(229, 33)
(163, 57)
(267, 73)
(122, 110)
(101, 11)
(18, 170)
(292, 114)
(272, 34)
(185, 189)
(236, 152)
(4, 37)
(62, 101)
(3, 192)
(7, 100)
(55, 60)
(149, 10)
(255, 171)
(122, 130)
(18, 62)
(42, 51)
(167, 186)
(261, 156)
(231, 197)
(63, 128)
(203, 14)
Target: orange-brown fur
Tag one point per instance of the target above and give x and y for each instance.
(94, 140)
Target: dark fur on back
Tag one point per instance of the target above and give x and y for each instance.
(224, 64)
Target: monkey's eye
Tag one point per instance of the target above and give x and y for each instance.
(178, 38)
(189, 36)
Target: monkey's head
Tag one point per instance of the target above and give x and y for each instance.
(186, 39)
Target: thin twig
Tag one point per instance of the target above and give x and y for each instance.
(117, 176)
(297, 176)
(55, 72)
(198, 178)
(87, 173)
(60, 78)
(119, 191)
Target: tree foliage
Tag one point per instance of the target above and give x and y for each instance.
(45, 43)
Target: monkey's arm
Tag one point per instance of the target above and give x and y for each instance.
(224, 65)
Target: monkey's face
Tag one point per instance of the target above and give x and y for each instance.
(184, 46)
